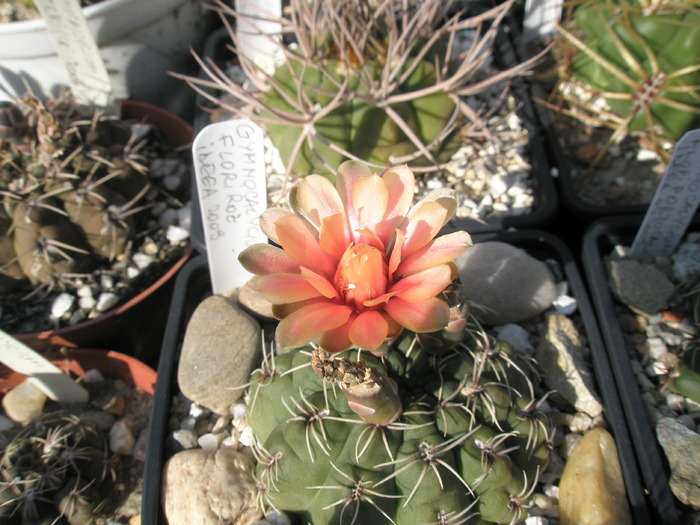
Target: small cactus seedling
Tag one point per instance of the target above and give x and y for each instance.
(641, 57)
(383, 82)
(55, 466)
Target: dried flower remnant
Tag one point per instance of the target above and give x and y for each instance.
(357, 262)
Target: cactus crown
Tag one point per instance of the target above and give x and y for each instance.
(641, 57)
(468, 446)
(382, 81)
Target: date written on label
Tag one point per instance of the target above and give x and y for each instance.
(230, 171)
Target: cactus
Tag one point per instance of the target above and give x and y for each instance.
(55, 466)
(70, 184)
(642, 59)
(467, 447)
(382, 81)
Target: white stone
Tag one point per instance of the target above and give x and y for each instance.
(142, 260)
(247, 438)
(675, 402)
(210, 441)
(188, 423)
(121, 439)
(84, 291)
(172, 182)
(565, 305)
(106, 301)
(167, 218)
(239, 410)
(197, 411)
(656, 347)
(176, 234)
(132, 272)
(62, 304)
(106, 282)
(516, 336)
(87, 303)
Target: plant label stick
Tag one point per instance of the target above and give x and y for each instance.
(541, 18)
(674, 202)
(256, 28)
(78, 51)
(42, 373)
(229, 163)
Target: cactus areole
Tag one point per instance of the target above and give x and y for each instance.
(384, 405)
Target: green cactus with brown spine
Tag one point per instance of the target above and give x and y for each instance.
(642, 58)
(379, 81)
(468, 446)
(70, 182)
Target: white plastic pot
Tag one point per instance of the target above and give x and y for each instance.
(139, 41)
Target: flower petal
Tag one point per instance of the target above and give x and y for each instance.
(348, 173)
(281, 288)
(302, 326)
(320, 283)
(318, 198)
(422, 317)
(369, 198)
(333, 236)
(261, 259)
(423, 285)
(268, 219)
(336, 340)
(399, 181)
(369, 330)
(302, 245)
(443, 249)
(423, 226)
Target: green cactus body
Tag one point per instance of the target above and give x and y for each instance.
(466, 448)
(645, 64)
(360, 125)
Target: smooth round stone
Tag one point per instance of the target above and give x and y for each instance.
(504, 284)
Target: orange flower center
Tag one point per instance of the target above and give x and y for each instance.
(361, 274)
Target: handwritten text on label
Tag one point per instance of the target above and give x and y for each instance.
(230, 172)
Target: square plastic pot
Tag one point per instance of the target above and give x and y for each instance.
(193, 285)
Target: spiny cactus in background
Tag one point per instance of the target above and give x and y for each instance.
(381, 81)
(467, 445)
(70, 184)
(642, 57)
(56, 466)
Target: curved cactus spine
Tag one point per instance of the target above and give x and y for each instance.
(378, 81)
(467, 447)
(641, 58)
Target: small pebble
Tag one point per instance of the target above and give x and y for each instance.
(142, 260)
(172, 182)
(5, 423)
(176, 234)
(210, 441)
(121, 439)
(186, 438)
(106, 301)
(93, 375)
(87, 302)
(61, 305)
(238, 411)
(197, 411)
(686, 421)
(675, 402)
(188, 423)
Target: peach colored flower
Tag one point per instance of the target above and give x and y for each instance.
(357, 262)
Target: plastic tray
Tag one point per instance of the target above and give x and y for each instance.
(599, 240)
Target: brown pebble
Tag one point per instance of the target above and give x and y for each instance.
(588, 153)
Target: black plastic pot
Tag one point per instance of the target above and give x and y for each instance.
(193, 285)
(545, 194)
(600, 238)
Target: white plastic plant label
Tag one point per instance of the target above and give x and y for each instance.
(78, 51)
(541, 18)
(229, 162)
(255, 28)
(674, 203)
(42, 373)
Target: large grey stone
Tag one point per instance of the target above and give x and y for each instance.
(222, 346)
(210, 488)
(564, 368)
(504, 284)
(682, 448)
(642, 287)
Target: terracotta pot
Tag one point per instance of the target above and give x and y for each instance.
(136, 326)
(76, 362)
